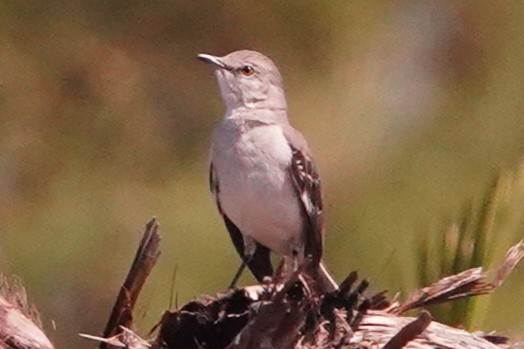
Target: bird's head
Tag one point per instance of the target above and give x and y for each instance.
(248, 79)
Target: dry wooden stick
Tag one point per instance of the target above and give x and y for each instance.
(410, 331)
(378, 327)
(471, 282)
(145, 259)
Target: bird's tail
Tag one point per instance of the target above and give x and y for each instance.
(318, 275)
(324, 279)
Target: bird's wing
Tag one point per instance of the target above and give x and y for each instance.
(307, 185)
(260, 262)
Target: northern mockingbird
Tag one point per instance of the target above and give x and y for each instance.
(262, 174)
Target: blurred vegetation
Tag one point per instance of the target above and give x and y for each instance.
(473, 241)
(411, 108)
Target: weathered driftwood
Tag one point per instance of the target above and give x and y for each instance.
(289, 315)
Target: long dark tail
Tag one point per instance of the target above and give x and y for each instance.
(324, 279)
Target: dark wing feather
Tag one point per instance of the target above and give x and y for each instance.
(307, 185)
(260, 263)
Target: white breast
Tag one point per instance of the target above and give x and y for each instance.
(255, 188)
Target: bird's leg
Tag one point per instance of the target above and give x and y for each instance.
(238, 274)
(280, 272)
(249, 252)
(285, 269)
(295, 260)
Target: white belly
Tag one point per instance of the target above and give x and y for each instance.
(255, 188)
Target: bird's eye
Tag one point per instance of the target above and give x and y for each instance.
(247, 70)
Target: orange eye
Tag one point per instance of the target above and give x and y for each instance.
(247, 70)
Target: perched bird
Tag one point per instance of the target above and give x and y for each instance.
(262, 173)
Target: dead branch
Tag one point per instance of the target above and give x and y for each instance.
(290, 316)
(471, 282)
(145, 259)
(379, 327)
(125, 339)
(513, 257)
(409, 332)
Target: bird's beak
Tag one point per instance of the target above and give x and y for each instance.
(214, 60)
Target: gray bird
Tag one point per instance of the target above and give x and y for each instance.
(262, 173)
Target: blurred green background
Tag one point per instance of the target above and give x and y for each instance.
(411, 109)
